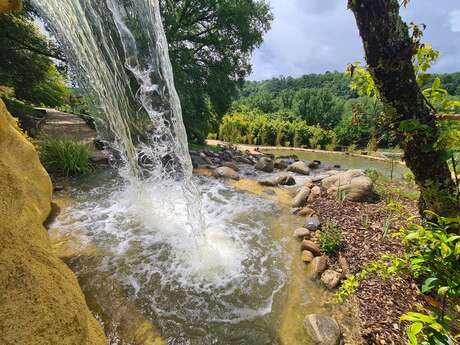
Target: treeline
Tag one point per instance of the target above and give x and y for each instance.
(315, 110)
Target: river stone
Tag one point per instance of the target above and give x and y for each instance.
(243, 160)
(313, 223)
(231, 165)
(226, 155)
(307, 256)
(299, 167)
(227, 172)
(265, 164)
(285, 180)
(315, 193)
(318, 265)
(331, 279)
(281, 163)
(269, 182)
(355, 185)
(304, 212)
(301, 197)
(311, 246)
(314, 164)
(301, 233)
(323, 330)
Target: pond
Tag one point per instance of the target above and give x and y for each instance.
(245, 284)
(346, 161)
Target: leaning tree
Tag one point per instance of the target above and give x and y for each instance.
(389, 50)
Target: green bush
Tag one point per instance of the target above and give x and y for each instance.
(330, 239)
(65, 156)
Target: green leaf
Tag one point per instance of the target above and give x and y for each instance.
(416, 328)
(443, 290)
(445, 250)
(428, 284)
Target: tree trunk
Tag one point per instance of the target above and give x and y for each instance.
(389, 50)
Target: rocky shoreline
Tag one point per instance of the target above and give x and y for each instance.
(322, 194)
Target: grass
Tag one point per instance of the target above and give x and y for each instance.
(65, 156)
(198, 147)
(330, 239)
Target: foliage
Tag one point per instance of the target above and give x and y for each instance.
(26, 59)
(432, 256)
(65, 156)
(330, 239)
(210, 43)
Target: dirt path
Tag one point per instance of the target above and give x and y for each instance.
(60, 125)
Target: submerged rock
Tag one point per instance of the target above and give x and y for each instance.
(323, 330)
(304, 212)
(299, 167)
(307, 256)
(269, 182)
(302, 233)
(265, 164)
(226, 172)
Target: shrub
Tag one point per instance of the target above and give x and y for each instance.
(330, 239)
(372, 174)
(65, 156)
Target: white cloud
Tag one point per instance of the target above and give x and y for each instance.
(454, 20)
(314, 36)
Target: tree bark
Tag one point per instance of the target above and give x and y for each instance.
(389, 50)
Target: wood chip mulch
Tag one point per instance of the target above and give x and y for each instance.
(381, 302)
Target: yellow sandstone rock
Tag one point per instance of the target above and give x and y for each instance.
(10, 5)
(40, 299)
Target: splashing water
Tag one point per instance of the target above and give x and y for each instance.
(119, 53)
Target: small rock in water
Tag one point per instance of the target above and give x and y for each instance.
(331, 279)
(286, 180)
(313, 223)
(311, 246)
(323, 330)
(265, 164)
(314, 164)
(281, 163)
(318, 265)
(301, 233)
(227, 172)
(304, 212)
(300, 199)
(307, 256)
(299, 167)
(231, 165)
(268, 182)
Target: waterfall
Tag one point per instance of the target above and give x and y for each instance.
(119, 54)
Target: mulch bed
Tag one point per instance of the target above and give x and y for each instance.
(381, 302)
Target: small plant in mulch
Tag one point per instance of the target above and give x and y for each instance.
(431, 256)
(330, 239)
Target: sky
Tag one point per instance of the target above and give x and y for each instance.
(315, 36)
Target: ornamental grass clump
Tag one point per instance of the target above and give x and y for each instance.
(330, 239)
(65, 156)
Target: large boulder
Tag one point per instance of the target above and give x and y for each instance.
(40, 301)
(323, 330)
(353, 183)
(299, 167)
(265, 164)
(226, 172)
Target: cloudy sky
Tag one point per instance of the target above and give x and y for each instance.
(314, 36)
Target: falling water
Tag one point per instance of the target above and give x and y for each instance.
(119, 53)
